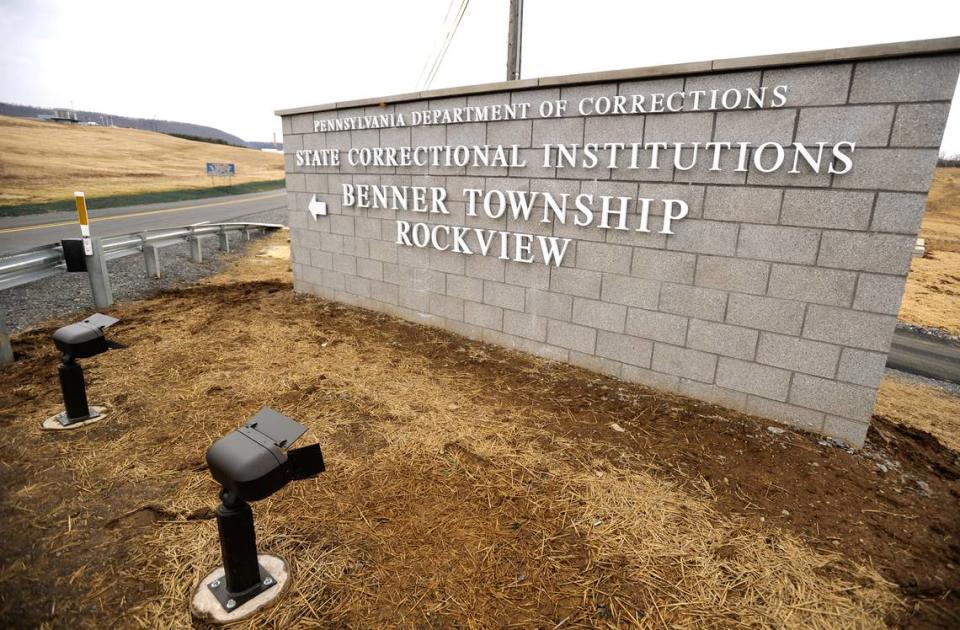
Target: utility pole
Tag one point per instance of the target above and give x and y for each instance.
(514, 40)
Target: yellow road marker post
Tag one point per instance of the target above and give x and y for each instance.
(96, 261)
(81, 201)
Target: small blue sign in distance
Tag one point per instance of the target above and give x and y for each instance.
(221, 169)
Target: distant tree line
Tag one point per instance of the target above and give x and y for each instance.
(949, 161)
(188, 131)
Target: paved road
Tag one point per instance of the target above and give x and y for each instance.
(24, 232)
(926, 356)
(911, 352)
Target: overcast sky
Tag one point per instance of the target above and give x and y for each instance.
(231, 64)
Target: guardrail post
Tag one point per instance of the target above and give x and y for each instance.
(6, 350)
(99, 278)
(151, 256)
(196, 251)
(224, 239)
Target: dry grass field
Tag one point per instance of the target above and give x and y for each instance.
(466, 485)
(932, 297)
(941, 219)
(42, 162)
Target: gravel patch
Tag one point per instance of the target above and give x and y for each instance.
(27, 305)
(946, 387)
(936, 333)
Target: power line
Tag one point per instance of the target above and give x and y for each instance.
(441, 52)
(427, 62)
(446, 44)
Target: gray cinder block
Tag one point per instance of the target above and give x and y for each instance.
(705, 237)
(572, 336)
(599, 314)
(663, 265)
(694, 364)
(625, 348)
(798, 355)
(658, 326)
(844, 399)
(577, 282)
(604, 257)
(904, 80)
(867, 331)
(812, 85)
(778, 243)
(879, 294)
(756, 126)
(525, 325)
(812, 284)
(638, 292)
(732, 274)
(748, 204)
(557, 131)
(503, 295)
(766, 313)
(882, 253)
(731, 341)
(905, 170)
(827, 209)
(549, 304)
(898, 212)
(865, 125)
(861, 367)
(693, 301)
(753, 378)
(483, 315)
(919, 125)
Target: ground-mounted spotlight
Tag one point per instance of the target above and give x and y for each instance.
(250, 463)
(79, 341)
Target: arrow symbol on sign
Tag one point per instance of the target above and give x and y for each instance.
(317, 208)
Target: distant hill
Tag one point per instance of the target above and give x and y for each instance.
(179, 129)
(44, 162)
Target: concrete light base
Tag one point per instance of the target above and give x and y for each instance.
(53, 422)
(204, 606)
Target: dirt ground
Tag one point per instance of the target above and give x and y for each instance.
(466, 485)
(932, 296)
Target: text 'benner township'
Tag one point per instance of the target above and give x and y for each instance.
(583, 211)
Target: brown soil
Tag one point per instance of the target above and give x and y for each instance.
(467, 485)
(922, 407)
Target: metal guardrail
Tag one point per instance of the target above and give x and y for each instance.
(47, 260)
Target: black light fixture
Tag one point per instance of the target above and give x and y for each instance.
(252, 463)
(79, 341)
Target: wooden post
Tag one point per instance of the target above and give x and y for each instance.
(514, 39)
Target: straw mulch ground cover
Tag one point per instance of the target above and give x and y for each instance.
(466, 486)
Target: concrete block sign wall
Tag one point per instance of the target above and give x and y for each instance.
(738, 231)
